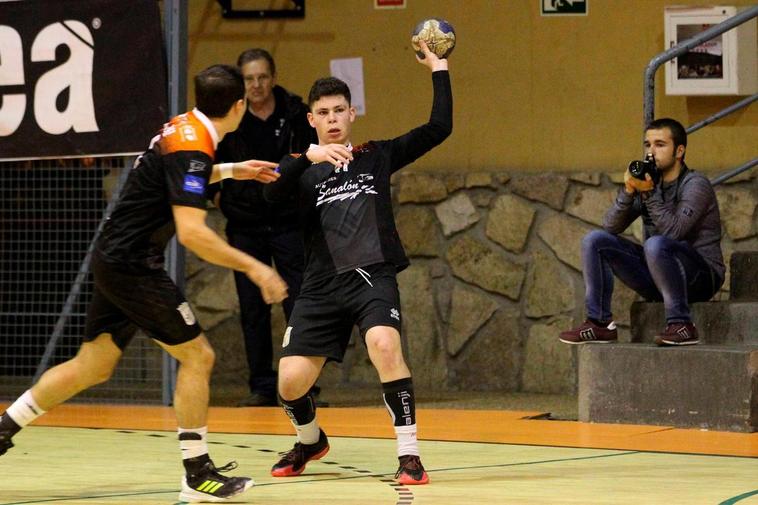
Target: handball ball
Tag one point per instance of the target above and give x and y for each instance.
(438, 35)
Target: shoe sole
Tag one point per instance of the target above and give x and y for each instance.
(671, 342)
(189, 495)
(587, 341)
(287, 470)
(413, 482)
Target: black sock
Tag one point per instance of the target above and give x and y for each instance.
(400, 401)
(301, 411)
(8, 425)
(193, 465)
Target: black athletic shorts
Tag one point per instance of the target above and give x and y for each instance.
(150, 300)
(326, 311)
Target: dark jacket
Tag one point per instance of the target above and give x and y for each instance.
(685, 209)
(286, 131)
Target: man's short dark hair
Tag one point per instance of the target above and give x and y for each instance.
(678, 133)
(328, 86)
(217, 88)
(257, 54)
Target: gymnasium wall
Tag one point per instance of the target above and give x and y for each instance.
(532, 93)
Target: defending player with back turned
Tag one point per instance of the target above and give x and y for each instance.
(353, 253)
(163, 195)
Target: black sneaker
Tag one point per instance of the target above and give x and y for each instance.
(8, 428)
(5, 442)
(208, 485)
(411, 471)
(258, 400)
(293, 462)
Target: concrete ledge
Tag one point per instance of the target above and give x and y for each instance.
(712, 387)
(717, 322)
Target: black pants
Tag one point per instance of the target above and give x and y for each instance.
(286, 251)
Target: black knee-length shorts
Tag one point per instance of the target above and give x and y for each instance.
(326, 311)
(124, 301)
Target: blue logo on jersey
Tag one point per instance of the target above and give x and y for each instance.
(194, 184)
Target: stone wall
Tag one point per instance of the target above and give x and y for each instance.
(495, 275)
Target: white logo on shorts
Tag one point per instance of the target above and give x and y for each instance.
(186, 312)
(286, 339)
(395, 314)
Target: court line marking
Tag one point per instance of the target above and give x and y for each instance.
(518, 444)
(737, 498)
(310, 481)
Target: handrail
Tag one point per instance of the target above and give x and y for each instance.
(648, 111)
(648, 107)
(728, 175)
(723, 112)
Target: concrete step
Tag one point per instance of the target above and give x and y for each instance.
(732, 322)
(743, 283)
(711, 387)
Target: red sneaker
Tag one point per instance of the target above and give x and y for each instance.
(678, 334)
(590, 333)
(411, 471)
(293, 462)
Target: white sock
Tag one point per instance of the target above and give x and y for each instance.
(24, 410)
(307, 433)
(194, 448)
(407, 444)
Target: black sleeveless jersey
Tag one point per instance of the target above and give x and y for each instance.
(347, 212)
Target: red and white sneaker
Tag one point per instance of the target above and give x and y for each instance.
(590, 333)
(678, 334)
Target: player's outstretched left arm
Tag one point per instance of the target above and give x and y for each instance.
(250, 170)
(430, 59)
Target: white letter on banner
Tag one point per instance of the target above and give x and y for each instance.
(11, 73)
(75, 74)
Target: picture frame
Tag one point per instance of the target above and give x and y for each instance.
(724, 65)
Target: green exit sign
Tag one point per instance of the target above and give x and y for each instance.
(564, 7)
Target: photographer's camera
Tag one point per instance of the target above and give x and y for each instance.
(638, 169)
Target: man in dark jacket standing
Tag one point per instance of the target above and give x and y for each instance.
(680, 261)
(275, 124)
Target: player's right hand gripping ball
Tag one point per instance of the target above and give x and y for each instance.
(438, 35)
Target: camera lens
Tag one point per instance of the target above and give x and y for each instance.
(636, 168)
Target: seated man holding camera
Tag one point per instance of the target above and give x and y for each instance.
(680, 261)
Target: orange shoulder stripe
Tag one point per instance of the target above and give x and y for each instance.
(185, 132)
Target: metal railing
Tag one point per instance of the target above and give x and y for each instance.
(678, 50)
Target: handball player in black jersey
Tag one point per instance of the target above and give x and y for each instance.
(353, 253)
(164, 194)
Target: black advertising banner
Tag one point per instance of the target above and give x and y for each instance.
(80, 77)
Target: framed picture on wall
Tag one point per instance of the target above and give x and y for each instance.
(723, 65)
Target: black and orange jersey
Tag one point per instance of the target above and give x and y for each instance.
(173, 171)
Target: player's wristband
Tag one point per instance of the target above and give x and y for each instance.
(226, 170)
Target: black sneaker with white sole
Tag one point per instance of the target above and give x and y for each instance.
(208, 485)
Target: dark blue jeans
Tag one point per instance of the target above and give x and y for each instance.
(663, 269)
